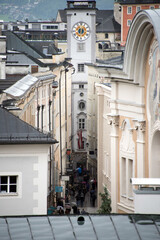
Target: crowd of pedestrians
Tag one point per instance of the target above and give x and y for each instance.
(78, 189)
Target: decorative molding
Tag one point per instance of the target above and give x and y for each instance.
(113, 119)
(127, 144)
(139, 125)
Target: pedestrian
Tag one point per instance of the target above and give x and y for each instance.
(78, 199)
(78, 211)
(93, 199)
(82, 198)
(74, 209)
(83, 211)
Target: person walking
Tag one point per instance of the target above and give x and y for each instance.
(82, 198)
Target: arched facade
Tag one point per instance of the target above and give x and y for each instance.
(135, 104)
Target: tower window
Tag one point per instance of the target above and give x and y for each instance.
(81, 123)
(80, 47)
(80, 67)
(81, 86)
(81, 105)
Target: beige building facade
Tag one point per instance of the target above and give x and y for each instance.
(133, 137)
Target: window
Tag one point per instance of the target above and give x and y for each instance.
(138, 9)
(80, 47)
(126, 175)
(81, 94)
(129, 10)
(34, 69)
(81, 86)
(80, 67)
(45, 50)
(81, 123)
(123, 172)
(82, 105)
(106, 35)
(129, 22)
(130, 175)
(8, 184)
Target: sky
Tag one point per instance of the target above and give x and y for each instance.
(101, 4)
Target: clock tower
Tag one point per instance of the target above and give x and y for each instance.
(81, 40)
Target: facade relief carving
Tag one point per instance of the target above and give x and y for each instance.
(127, 144)
(113, 119)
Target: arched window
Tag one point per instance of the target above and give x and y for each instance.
(82, 105)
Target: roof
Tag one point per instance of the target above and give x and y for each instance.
(14, 42)
(10, 80)
(52, 49)
(124, 2)
(80, 0)
(101, 227)
(115, 62)
(22, 86)
(106, 22)
(15, 131)
(104, 19)
(19, 89)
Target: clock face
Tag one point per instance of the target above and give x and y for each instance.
(81, 31)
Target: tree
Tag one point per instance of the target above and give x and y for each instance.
(105, 207)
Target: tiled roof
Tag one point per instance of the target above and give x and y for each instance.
(15, 131)
(104, 19)
(138, 1)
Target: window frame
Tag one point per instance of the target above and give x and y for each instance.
(129, 11)
(9, 184)
(138, 7)
(81, 86)
(106, 35)
(129, 20)
(80, 67)
(81, 123)
(80, 103)
(126, 173)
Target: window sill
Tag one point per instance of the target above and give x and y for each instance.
(8, 194)
(130, 198)
(123, 196)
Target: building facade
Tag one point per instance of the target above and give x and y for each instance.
(81, 18)
(128, 10)
(134, 115)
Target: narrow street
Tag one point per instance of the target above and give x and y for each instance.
(81, 194)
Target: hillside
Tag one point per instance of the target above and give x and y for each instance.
(38, 9)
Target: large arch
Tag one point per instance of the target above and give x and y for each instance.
(143, 28)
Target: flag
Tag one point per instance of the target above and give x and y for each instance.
(80, 143)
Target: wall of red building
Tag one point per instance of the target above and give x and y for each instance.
(126, 17)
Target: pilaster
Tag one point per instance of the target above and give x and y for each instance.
(140, 127)
(113, 120)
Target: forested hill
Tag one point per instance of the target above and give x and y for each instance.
(38, 9)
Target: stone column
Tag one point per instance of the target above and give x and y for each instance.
(140, 126)
(113, 120)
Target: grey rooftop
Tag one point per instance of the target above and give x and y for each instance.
(86, 227)
(15, 131)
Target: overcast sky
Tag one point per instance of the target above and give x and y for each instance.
(101, 4)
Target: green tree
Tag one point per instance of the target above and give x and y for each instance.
(105, 207)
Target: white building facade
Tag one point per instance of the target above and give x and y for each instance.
(81, 17)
